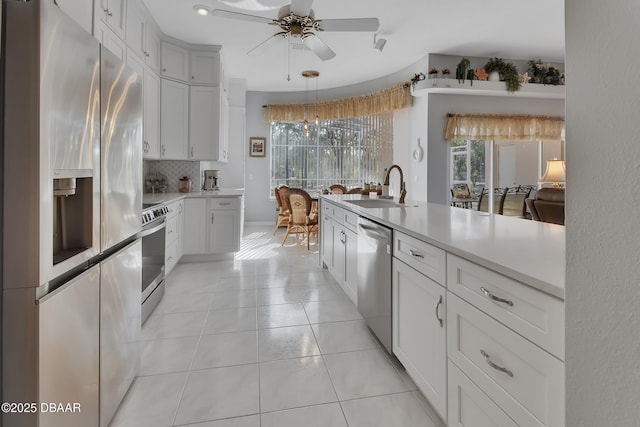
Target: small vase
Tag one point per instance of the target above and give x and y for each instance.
(494, 76)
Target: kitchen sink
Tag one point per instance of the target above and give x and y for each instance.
(377, 203)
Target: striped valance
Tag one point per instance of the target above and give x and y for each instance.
(504, 127)
(384, 101)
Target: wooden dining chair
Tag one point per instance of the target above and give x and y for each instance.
(514, 202)
(283, 211)
(301, 219)
(498, 200)
(338, 189)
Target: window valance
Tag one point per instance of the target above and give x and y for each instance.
(501, 127)
(384, 101)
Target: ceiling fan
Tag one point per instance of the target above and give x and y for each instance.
(297, 20)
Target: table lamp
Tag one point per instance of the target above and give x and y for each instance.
(555, 173)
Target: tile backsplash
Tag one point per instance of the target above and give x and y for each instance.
(173, 170)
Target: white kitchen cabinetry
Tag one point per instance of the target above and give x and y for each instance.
(173, 235)
(174, 123)
(195, 226)
(212, 225)
(110, 40)
(142, 34)
(419, 333)
(150, 106)
(112, 13)
(224, 231)
(340, 248)
(205, 67)
(175, 61)
(204, 120)
(525, 381)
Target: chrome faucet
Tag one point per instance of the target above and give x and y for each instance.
(403, 187)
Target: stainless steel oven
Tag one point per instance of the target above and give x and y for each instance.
(153, 257)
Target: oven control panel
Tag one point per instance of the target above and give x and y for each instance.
(153, 213)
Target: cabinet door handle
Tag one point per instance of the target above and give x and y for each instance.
(191, 151)
(416, 254)
(109, 13)
(224, 203)
(487, 359)
(193, 77)
(212, 215)
(163, 149)
(495, 298)
(440, 320)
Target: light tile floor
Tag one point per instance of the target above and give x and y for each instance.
(266, 340)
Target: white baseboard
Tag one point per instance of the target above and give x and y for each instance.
(259, 223)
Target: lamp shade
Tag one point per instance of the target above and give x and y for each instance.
(555, 172)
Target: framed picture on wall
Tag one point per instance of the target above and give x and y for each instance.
(257, 146)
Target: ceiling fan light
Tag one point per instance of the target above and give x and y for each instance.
(201, 10)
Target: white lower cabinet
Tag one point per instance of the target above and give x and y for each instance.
(469, 406)
(195, 226)
(525, 381)
(419, 333)
(224, 231)
(212, 225)
(339, 246)
(173, 235)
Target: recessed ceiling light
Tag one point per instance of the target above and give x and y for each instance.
(201, 10)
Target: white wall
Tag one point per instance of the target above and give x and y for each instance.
(602, 200)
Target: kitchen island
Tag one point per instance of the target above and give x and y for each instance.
(477, 304)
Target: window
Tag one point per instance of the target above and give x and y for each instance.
(347, 151)
(468, 163)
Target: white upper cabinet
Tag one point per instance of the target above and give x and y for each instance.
(175, 61)
(150, 106)
(174, 123)
(205, 67)
(142, 34)
(203, 123)
(113, 13)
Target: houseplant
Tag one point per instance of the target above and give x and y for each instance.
(508, 72)
(464, 71)
(433, 72)
(545, 74)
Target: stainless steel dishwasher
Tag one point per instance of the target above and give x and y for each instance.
(374, 278)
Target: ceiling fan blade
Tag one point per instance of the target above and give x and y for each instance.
(357, 24)
(301, 7)
(262, 47)
(319, 47)
(241, 16)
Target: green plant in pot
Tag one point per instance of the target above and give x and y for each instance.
(545, 74)
(508, 72)
(462, 70)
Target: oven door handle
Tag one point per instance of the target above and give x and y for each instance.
(147, 232)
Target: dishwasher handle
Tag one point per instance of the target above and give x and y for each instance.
(373, 232)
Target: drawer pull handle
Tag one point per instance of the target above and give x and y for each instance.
(495, 298)
(437, 307)
(416, 254)
(487, 359)
(224, 203)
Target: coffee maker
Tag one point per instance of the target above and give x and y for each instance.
(211, 180)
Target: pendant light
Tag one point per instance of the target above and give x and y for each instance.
(310, 74)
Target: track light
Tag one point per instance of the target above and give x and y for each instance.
(378, 43)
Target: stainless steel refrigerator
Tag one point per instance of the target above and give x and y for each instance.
(71, 199)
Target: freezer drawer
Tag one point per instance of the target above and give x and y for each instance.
(120, 326)
(68, 339)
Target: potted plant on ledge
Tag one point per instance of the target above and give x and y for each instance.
(506, 71)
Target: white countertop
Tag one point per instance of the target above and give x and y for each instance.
(531, 252)
(172, 197)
